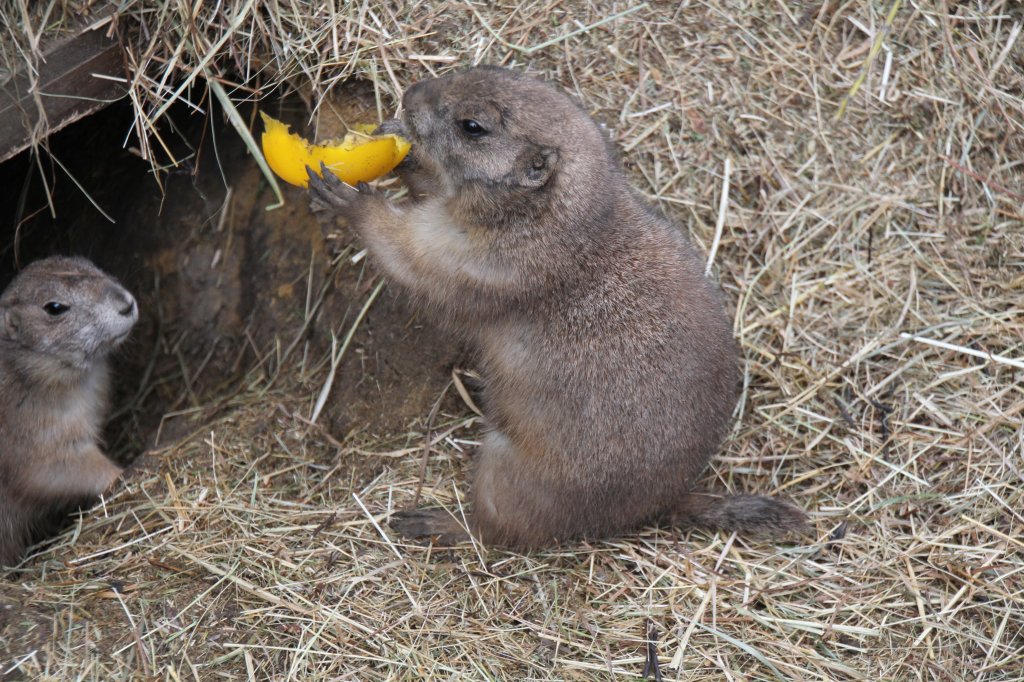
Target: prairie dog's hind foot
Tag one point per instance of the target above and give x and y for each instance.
(437, 524)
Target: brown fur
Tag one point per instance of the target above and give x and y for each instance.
(609, 366)
(53, 393)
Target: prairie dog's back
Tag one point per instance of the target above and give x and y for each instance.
(59, 319)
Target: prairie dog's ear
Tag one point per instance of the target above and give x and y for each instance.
(536, 166)
(9, 330)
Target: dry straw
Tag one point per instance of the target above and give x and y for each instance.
(871, 240)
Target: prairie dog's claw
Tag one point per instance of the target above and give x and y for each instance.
(327, 192)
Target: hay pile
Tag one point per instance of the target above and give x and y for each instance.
(872, 242)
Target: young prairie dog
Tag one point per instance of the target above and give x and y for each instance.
(610, 372)
(59, 319)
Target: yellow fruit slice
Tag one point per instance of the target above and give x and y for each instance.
(359, 157)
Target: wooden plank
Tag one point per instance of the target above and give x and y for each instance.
(69, 85)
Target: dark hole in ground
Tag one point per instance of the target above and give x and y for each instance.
(221, 282)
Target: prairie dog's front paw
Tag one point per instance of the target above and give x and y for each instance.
(328, 194)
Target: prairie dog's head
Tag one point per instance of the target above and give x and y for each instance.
(65, 312)
(511, 135)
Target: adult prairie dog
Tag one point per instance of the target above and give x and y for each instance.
(610, 372)
(59, 319)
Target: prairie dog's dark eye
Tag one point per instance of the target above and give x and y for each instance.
(54, 308)
(472, 128)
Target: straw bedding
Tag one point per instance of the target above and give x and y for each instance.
(871, 243)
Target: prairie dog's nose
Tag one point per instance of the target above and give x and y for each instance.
(122, 300)
(128, 310)
(392, 126)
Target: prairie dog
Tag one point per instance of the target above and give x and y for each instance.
(610, 372)
(59, 319)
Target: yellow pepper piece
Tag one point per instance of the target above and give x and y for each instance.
(359, 157)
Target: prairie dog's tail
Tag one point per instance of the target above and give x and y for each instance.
(755, 514)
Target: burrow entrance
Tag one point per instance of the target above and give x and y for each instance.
(229, 293)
